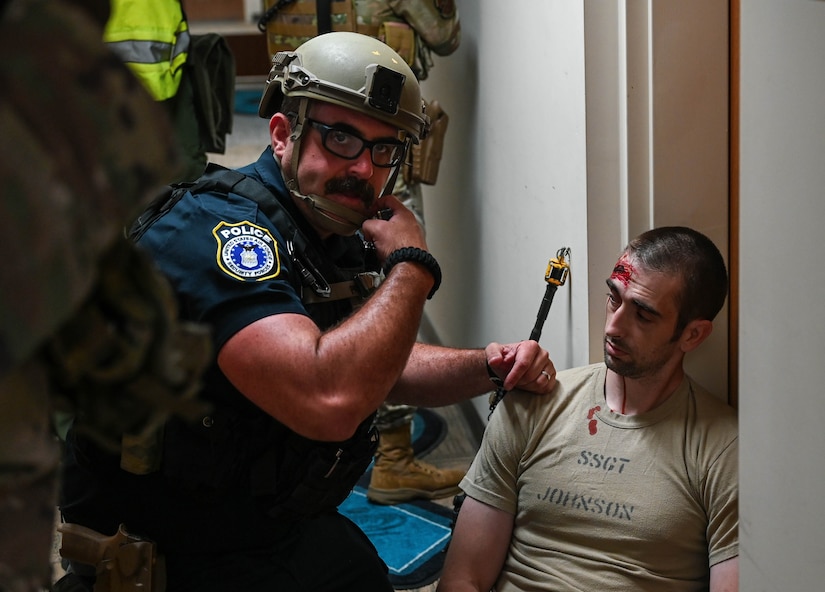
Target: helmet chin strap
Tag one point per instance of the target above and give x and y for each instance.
(327, 214)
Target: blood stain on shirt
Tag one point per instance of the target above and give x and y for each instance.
(593, 423)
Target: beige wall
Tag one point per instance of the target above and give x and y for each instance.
(657, 140)
(782, 320)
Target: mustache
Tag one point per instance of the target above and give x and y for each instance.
(352, 186)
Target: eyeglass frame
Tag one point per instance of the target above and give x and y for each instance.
(324, 130)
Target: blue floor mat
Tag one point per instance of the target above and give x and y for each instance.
(411, 537)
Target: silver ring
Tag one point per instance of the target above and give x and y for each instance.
(546, 374)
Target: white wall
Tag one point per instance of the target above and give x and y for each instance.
(512, 185)
(541, 156)
(782, 325)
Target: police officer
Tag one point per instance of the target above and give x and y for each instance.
(281, 259)
(415, 29)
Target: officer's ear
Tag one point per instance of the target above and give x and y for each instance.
(280, 129)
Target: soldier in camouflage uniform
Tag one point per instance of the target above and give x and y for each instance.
(83, 315)
(415, 29)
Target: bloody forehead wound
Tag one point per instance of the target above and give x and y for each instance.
(623, 271)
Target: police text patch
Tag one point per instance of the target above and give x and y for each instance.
(246, 251)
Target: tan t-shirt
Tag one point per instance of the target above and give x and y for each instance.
(602, 501)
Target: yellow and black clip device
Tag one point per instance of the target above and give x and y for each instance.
(557, 271)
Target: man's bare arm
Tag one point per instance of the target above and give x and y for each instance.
(477, 549)
(436, 376)
(323, 384)
(724, 576)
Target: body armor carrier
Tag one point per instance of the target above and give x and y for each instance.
(291, 476)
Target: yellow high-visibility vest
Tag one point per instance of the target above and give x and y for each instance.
(152, 38)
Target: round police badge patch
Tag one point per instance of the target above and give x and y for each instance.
(247, 251)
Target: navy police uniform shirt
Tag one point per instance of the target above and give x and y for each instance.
(227, 262)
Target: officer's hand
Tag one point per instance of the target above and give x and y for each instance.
(524, 365)
(400, 230)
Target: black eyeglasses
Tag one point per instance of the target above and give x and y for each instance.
(345, 144)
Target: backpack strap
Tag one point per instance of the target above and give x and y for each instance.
(157, 208)
(215, 178)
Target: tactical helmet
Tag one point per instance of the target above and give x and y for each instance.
(352, 70)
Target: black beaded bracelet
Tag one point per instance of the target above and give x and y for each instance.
(415, 255)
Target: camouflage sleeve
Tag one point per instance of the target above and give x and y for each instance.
(82, 146)
(435, 21)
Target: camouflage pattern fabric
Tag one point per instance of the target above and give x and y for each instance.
(414, 28)
(392, 415)
(83, 148)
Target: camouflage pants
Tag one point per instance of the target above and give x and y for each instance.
(28, 479)
(392, 416)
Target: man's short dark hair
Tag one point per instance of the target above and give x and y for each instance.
(692, 256)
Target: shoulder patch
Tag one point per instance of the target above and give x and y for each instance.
(247, 251)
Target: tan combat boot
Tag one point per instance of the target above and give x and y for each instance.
(397, 476)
